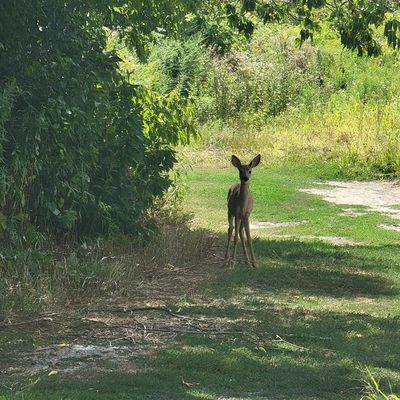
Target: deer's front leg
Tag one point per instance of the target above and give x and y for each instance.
(238, 223)
(243, 240)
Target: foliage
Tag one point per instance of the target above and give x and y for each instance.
(82, 150)
(176, 65)
(354, 20)
(215, 32)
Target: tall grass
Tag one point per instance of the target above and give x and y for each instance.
(315, 104)
(359, 140)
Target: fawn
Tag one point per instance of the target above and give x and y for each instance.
(240, 205)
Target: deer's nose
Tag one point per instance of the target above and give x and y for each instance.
(245, 178)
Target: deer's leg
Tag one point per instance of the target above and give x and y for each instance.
(230, 230)
(238, 223)
(243, 240)
(247, 229)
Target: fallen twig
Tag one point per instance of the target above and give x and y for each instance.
(31, 321)
(138, 309)
(144, 329)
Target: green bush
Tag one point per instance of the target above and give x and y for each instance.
(82, 150)
(260, 82)
(173, 65)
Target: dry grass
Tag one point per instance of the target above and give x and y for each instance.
(89, 272)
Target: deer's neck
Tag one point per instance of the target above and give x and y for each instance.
(244, 190)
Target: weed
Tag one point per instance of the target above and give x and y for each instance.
(374, 391)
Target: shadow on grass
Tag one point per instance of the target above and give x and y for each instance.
(312, 268)
(322, 354)
(253, 366)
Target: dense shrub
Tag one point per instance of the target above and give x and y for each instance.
(82, 150)
(257, 82)
(177, 65)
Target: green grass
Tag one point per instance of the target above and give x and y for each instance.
(310, 321)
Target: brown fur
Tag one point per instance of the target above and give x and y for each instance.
(233, 191)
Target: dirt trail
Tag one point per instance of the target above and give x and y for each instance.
(382, 197)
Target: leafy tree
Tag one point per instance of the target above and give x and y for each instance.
(354, 20)
(82, 150)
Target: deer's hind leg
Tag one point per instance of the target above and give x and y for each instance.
(247, 229)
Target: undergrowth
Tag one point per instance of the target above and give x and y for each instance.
(315, 104)
(37, 280)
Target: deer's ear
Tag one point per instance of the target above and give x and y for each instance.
(236, 162)
(255, 161)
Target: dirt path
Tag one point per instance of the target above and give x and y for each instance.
(382, 197)
(365, 197)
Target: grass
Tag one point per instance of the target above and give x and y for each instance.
(309, 323)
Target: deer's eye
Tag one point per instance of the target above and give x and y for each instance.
(249, 172)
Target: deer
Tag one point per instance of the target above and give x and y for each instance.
(240, 206)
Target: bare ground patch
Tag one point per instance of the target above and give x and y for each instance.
(353, 212)
(382, 197)
(101, 340)
(272, 225)
(335, 240)
(390, 227)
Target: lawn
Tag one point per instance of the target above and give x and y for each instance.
(308, 323)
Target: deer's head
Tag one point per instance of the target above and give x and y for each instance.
(245, 170)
